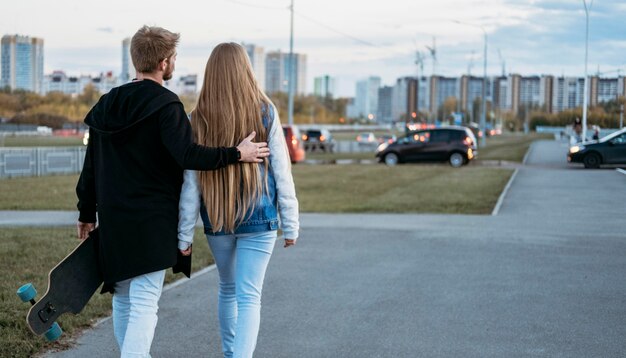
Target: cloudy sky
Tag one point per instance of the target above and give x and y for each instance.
(346, 39)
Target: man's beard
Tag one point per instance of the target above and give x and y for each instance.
(169, 72)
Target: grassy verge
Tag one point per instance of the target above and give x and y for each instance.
(339, 156)
(39, 193)
(509, 147)
(41, 141)
(403, 188)
(326, 188)
(27, 255)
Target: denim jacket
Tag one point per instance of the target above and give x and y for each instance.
(279, 200)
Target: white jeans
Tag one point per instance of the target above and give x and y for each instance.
(135, 306)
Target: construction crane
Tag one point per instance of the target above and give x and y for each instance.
(433, 54)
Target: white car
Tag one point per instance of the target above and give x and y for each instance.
(366, 138)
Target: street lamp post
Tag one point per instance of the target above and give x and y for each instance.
(291, 79)
(586, 98)
(483, 111)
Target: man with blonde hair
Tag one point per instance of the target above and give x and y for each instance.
(140, 142)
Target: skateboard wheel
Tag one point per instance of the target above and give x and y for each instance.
(54, 332)
(27, 292)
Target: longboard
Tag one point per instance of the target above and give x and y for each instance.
(71, 283)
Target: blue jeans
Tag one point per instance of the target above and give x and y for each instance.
(241, 261)
(135, 306)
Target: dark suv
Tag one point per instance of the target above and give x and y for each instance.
(321, 139)
(455, 145)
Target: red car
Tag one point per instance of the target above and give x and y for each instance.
(294, 143)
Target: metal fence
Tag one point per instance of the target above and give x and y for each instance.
(40, 161)
(350, 146)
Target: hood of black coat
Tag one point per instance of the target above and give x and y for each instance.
(126, 106)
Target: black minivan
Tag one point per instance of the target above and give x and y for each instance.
(455, 145)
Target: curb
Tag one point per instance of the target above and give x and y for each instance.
(496, 209)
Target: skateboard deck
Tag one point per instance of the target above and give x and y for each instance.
(71, 283)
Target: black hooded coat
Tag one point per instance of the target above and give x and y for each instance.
(140, 141)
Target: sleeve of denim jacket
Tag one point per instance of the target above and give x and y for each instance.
(285, 188)
(188, 209)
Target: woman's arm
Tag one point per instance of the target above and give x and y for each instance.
(188, 209)
(285, 188)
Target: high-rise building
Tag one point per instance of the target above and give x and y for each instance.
(128, 70)
(257, 59)
(351, 110)
(277, 72)
(471, 90)
(366, 100)
(530, 93)
(442, 88)
(567, 93)
(324, 86)
(21, 61)
(385, 104)
(603, 90)
(423, 94)
(404, 99)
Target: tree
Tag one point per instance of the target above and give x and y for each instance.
(446, 109)
(90, 95)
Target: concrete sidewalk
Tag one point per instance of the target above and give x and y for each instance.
(544, 278)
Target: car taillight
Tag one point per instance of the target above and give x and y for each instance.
(304, 137)
(468, 141)
(294, 140)
(322, 138)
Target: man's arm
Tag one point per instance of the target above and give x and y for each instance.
(86, 192)
(177, 137)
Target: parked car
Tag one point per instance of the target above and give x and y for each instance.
(386, 138)
(456, 145)
(321, 139)
(366, 138)
(294, 143)
(608, 150)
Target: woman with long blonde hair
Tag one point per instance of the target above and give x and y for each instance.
(239, 205)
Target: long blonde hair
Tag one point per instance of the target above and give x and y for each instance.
(228, 110)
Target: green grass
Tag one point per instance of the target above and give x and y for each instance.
(40, 141)
(509, 147)
(28, 254)
(403, 188)
(338, 156)
(39, 193)
(325, 188)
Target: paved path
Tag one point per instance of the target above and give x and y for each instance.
(546, 277)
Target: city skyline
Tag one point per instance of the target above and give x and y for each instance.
(341, 39)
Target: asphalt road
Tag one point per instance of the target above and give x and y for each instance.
(546, 277)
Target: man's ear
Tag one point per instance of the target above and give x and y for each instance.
(162, 65)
